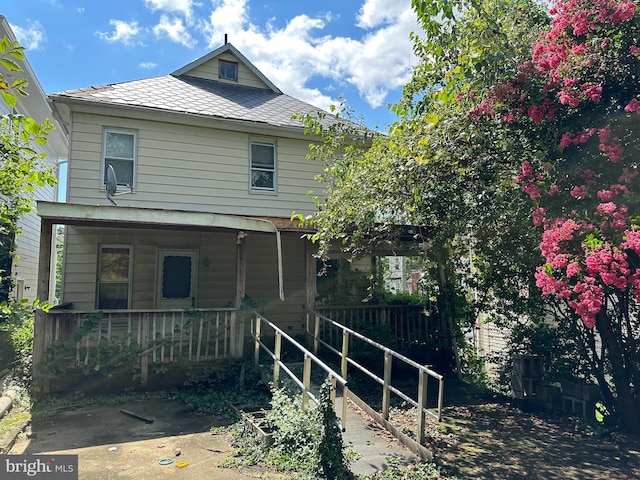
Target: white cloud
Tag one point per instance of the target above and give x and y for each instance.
(175, 30)
(31, 37)
(172, 6)
(293, 56)
(228, 16)
(375, 13)
(81, 10)
(148, 65)
(124, 32)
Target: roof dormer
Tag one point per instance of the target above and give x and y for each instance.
(226, 64)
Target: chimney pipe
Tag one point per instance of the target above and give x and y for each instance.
(225, 38)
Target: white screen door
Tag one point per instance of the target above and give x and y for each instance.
(177, 278)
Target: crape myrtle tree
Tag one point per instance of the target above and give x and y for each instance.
(575, 103)
(438, 167)
(21, 166)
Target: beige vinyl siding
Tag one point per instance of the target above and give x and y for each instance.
(209, 70)
(216, 287)
(144, 270)
(191, 168)
(262, 280)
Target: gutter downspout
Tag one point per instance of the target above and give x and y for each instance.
(279, 252)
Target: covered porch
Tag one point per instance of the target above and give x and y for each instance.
(238, 263)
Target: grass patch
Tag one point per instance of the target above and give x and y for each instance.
(18, 414)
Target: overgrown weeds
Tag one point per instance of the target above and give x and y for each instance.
(16, 317)
(306, 442)
(239, 384)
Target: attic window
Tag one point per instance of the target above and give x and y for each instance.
(228, 70)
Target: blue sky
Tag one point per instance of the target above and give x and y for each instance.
(319, 52)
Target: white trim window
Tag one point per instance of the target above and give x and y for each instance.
(120, 151)
(263, 166)
(114, 277)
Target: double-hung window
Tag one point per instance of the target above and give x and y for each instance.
(119, 151)
(263, 166)
(114, 277)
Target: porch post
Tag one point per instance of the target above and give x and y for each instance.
(310, 280)
(237, 327)
(42, 332)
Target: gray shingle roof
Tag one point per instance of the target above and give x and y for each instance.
(197, 96)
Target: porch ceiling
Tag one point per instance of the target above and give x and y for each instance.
(110, 215)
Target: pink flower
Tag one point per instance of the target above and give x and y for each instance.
(538, 215)
(609, 145)
(606, 195)
(547, 283)
(634, 104)
(606, 208)
(635, 50)
(579, 49)
(532, 190)
(559, 261)
(573, 269)
(632, 241)
(567, 139)
(593, 92)
(588, 305)
(579, 192)
(526, 170)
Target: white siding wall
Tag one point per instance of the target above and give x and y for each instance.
(191, 168)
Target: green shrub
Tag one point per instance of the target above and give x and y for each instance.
(17, 317)
(305, 442)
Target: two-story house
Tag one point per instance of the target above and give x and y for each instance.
(24, 265)
(209, 166)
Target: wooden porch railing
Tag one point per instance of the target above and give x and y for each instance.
(260, 325)
(408, 325)
(162, 336)
(318, 330)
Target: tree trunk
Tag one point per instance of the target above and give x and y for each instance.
(627, 403)
(447, 308)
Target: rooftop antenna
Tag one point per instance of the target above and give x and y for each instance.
(225, 38)
(111, 185)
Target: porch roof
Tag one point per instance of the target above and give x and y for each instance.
(115, 216)
(111, 215)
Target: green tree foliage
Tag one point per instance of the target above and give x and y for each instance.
(21, 167)
(437, 169)
(574, 102)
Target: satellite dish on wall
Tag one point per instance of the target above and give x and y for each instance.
(112, 184)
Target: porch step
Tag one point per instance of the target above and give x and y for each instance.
(255, 421)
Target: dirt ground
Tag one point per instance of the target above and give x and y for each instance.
(485, 437)
(482, 437)
(115, 445)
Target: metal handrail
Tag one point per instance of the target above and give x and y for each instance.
(309, 358)
(423, 371)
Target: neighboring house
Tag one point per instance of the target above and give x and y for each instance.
(210, 165)
(35, 105)
(396, 276)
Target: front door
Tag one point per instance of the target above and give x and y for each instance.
(177, 278)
